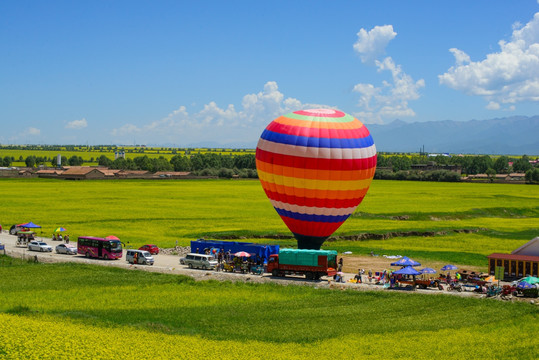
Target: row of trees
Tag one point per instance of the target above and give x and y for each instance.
(437, 175)
(209, 164)
(468, 163)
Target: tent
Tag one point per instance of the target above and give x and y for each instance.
(405, 261)
(30, 225)
(408, 270)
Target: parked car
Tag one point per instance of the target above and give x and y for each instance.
(143, 257)
(66, 249)
(152, 249)
(14, 229)
(39, 246)
(200, 261)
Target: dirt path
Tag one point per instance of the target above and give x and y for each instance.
(170, 264)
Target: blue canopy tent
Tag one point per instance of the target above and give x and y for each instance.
(30, 225)
(408, 270)
(405, 261)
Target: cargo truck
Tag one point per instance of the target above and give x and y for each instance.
(312, 263)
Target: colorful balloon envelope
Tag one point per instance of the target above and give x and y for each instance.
(315, 167)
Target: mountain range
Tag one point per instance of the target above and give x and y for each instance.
(515, 135)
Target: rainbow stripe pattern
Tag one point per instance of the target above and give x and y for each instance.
(316, 167)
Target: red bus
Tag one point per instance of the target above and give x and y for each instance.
(99, 248)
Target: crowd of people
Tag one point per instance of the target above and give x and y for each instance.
(59, 237)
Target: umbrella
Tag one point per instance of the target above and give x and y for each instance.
(405, 261)
(408, 270)
(449, 267)
(242, 254)
(112, 237)
(530, 280)
(58, 229)
(524, 285)
(428, 271)
(30, 225)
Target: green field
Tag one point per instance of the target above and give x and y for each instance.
(130, 153)
(162, 212)
(71, 311)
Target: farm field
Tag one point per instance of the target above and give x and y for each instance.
(504, 216)
(130, 153)
(85, 311)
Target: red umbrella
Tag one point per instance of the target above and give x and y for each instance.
(242, 254)
(112, 237)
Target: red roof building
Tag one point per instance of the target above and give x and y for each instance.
(522, 262)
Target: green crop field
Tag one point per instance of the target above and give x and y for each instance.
(501, 216)
(71, 311)
(130, 153)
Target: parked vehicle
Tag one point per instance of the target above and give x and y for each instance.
(39, 246)
(312, 263)
(14, 229)
(200, 261)
(139, 257)
(99, 247)
(152, 249)
(68, 249)
(423, 284)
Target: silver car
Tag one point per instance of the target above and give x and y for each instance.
(39, 246)
(66, 249)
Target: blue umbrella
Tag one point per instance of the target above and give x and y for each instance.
(449, 267)
(524, 285)
(428, 271)
(408, 270)
(405, 261)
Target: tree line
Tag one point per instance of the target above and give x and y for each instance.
(389, 166)
(209, 164)
(399, 167)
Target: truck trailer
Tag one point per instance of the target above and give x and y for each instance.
(312, 263)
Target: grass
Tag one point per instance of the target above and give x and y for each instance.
(504, 216)
(145, 311)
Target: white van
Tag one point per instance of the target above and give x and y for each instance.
(200, 261)
(143, 257)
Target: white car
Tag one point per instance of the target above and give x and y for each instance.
(39, 246)
(66, 249)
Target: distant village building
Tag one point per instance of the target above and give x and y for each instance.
(119, 154)
(522, 262)
(86, 173)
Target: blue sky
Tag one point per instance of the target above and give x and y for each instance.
(194, 72)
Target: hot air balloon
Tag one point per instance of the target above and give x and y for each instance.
(316, 167)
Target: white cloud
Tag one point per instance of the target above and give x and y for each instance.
(505, 77)
(77, 124)
(493, 105)
(33, 131)
(390, 100)
(371, 44)
(212, 123)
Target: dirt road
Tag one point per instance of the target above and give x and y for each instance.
(170, 264)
